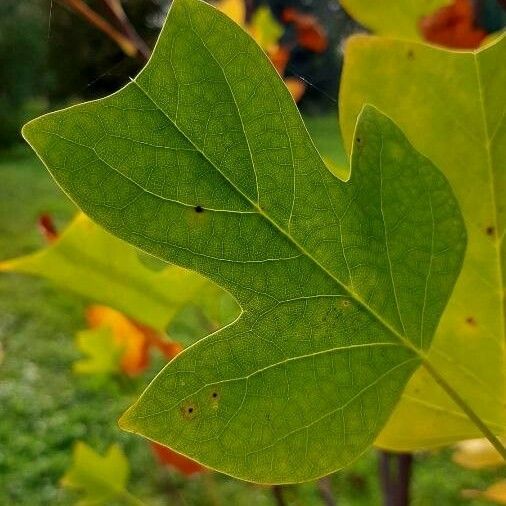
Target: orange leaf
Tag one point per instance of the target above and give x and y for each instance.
(279, 58)
(168, 348)
(296, 86)
(170, 458)
(135, 339)
(453, 26)
(310, 33)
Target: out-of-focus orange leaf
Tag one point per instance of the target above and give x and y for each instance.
(496, 493)
(47, 227)
(296, 87)
(168, 348)
(184, 465)
(477, 454)
(279, 58)
(310, 33)
(453, 26)
(135, 339)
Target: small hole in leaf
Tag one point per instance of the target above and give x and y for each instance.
(490, 231)
(199, 209)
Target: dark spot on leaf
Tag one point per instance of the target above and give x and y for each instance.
(471, 321)
(490, 231)
(199, 209)
(214, 395)
(410, 54)
(188, 411)
(359, 140)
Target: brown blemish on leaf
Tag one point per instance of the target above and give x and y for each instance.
(410, 54)
(490, 231)
(471, 321)
(188, 411)
(199, 209)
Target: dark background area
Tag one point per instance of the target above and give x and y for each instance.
(50, 57)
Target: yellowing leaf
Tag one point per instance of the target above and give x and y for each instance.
(392, 17)
(265, 29)
(102, 350)
(451, 106)
(477, 454)
(496, 493)
(234, 9)
(102, 479)
(90, 261)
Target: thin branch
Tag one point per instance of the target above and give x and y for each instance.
(116, 11)
(325, 490)
(277, 492)
(395, 477)
(82, 9)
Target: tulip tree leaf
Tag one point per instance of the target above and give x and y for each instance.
(102, 479)
(90, 261)
(102, 354)
(391, 17)
(204, 161)
(452, 107)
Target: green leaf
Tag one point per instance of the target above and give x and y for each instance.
(391, 17)
(102, 479)
(103, 354)
(203, 160)
(88, 260)
(451, 106)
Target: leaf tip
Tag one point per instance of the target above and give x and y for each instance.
(126, 421)
(28, 130)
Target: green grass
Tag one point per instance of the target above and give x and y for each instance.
(45, 409)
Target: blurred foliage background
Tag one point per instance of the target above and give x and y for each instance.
(49, 56)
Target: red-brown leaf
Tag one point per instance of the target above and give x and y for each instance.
(453, 26)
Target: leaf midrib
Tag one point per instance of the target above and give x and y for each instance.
(491, 178)
(403, 339)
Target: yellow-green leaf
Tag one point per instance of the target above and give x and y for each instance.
(393, 17)
(102, 352)
(102, 479)
(265, 28)
(452, 107)
(90, 261)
